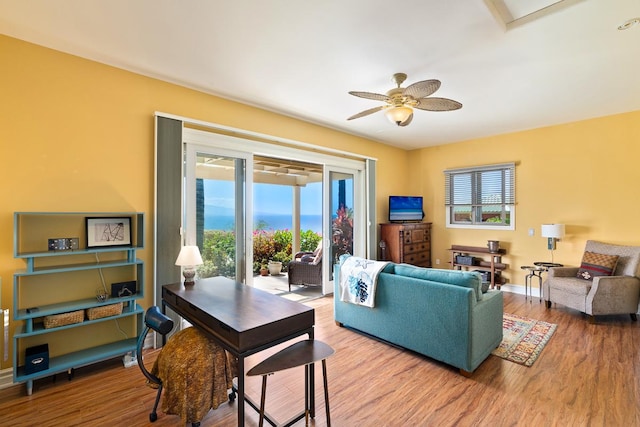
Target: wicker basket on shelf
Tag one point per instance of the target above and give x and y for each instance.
(62, 319)
(104, 311)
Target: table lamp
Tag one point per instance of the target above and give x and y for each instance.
(188, 258)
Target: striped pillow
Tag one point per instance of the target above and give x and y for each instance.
(594, 264)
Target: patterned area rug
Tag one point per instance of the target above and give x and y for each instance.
(523, 339)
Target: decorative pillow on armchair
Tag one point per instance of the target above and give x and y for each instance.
(594, 264)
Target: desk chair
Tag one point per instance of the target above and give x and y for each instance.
(195, 371)
(153, 319)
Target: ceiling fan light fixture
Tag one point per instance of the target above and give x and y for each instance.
(628, 24)
(400, 102)
(398, 115)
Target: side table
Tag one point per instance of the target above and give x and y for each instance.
(536, 271)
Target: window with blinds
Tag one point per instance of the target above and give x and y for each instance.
(481, 197)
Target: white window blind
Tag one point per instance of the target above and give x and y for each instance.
(482, 195)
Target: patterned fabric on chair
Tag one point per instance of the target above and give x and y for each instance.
(589, 289)
(306, 268)
(196, 374)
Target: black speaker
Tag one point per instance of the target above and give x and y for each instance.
(123, 289)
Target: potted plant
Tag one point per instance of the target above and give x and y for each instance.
(264, 270)
(275, 267)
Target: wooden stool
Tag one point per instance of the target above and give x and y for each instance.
(301, 353)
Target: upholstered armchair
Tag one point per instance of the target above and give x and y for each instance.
(306, 268)
(601, 285)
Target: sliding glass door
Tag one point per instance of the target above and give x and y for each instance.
(217, 193)
(344, 229)
(218, 200)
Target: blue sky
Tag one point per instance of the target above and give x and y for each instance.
(278, 199)
(267, 199)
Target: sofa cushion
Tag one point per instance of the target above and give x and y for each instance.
(594, 264)
(466, 279)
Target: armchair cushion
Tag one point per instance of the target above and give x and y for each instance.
(307, 258)
(594, 264)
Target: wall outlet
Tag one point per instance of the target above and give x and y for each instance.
(129, 360)
(532, 232)
(437, 261)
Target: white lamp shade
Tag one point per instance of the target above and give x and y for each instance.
(189, 256)
(397, 115)
(552, 230)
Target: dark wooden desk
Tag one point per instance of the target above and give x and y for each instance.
(242, 319)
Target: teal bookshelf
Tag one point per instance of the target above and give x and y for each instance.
(57, 273)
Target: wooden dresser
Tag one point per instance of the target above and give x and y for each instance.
(408, 243)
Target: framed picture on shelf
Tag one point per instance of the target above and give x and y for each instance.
(105, 232)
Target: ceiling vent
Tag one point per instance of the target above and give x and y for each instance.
(513, 13)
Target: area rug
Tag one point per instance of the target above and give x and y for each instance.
(523, 339)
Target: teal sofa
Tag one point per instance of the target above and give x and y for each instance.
(442, 314)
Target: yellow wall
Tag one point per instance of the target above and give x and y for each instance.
(77, 135)
(582, 174)
(62, 118)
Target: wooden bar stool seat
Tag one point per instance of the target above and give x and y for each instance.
(301, 353)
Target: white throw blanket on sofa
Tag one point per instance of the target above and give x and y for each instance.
(358, 278)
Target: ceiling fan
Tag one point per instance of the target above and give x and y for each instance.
(400, 102)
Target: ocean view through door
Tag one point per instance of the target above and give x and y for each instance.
(217, 191)
(257, 205)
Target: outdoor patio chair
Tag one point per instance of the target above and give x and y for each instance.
(306, 268)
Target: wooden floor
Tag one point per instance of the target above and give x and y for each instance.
(588, 375)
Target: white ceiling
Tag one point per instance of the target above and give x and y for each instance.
(300, 58)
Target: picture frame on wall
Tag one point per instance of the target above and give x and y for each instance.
(106, 232)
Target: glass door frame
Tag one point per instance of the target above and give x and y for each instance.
(359, 220)
(243, 204)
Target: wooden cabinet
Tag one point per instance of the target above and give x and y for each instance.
(479, 258)
(407, 243)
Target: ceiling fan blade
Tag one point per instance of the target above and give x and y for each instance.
(438, 104)
(367, 112)
(422, 89)
(371, 95)
(406, 122)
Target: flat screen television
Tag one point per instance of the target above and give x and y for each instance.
(405, 209)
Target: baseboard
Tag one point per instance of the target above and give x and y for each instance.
(519, 289)
(6, 378)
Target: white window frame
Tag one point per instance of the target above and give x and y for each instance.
(508, 205)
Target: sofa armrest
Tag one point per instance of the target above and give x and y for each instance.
(613, 294)
(562, 272)
(486, 326)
